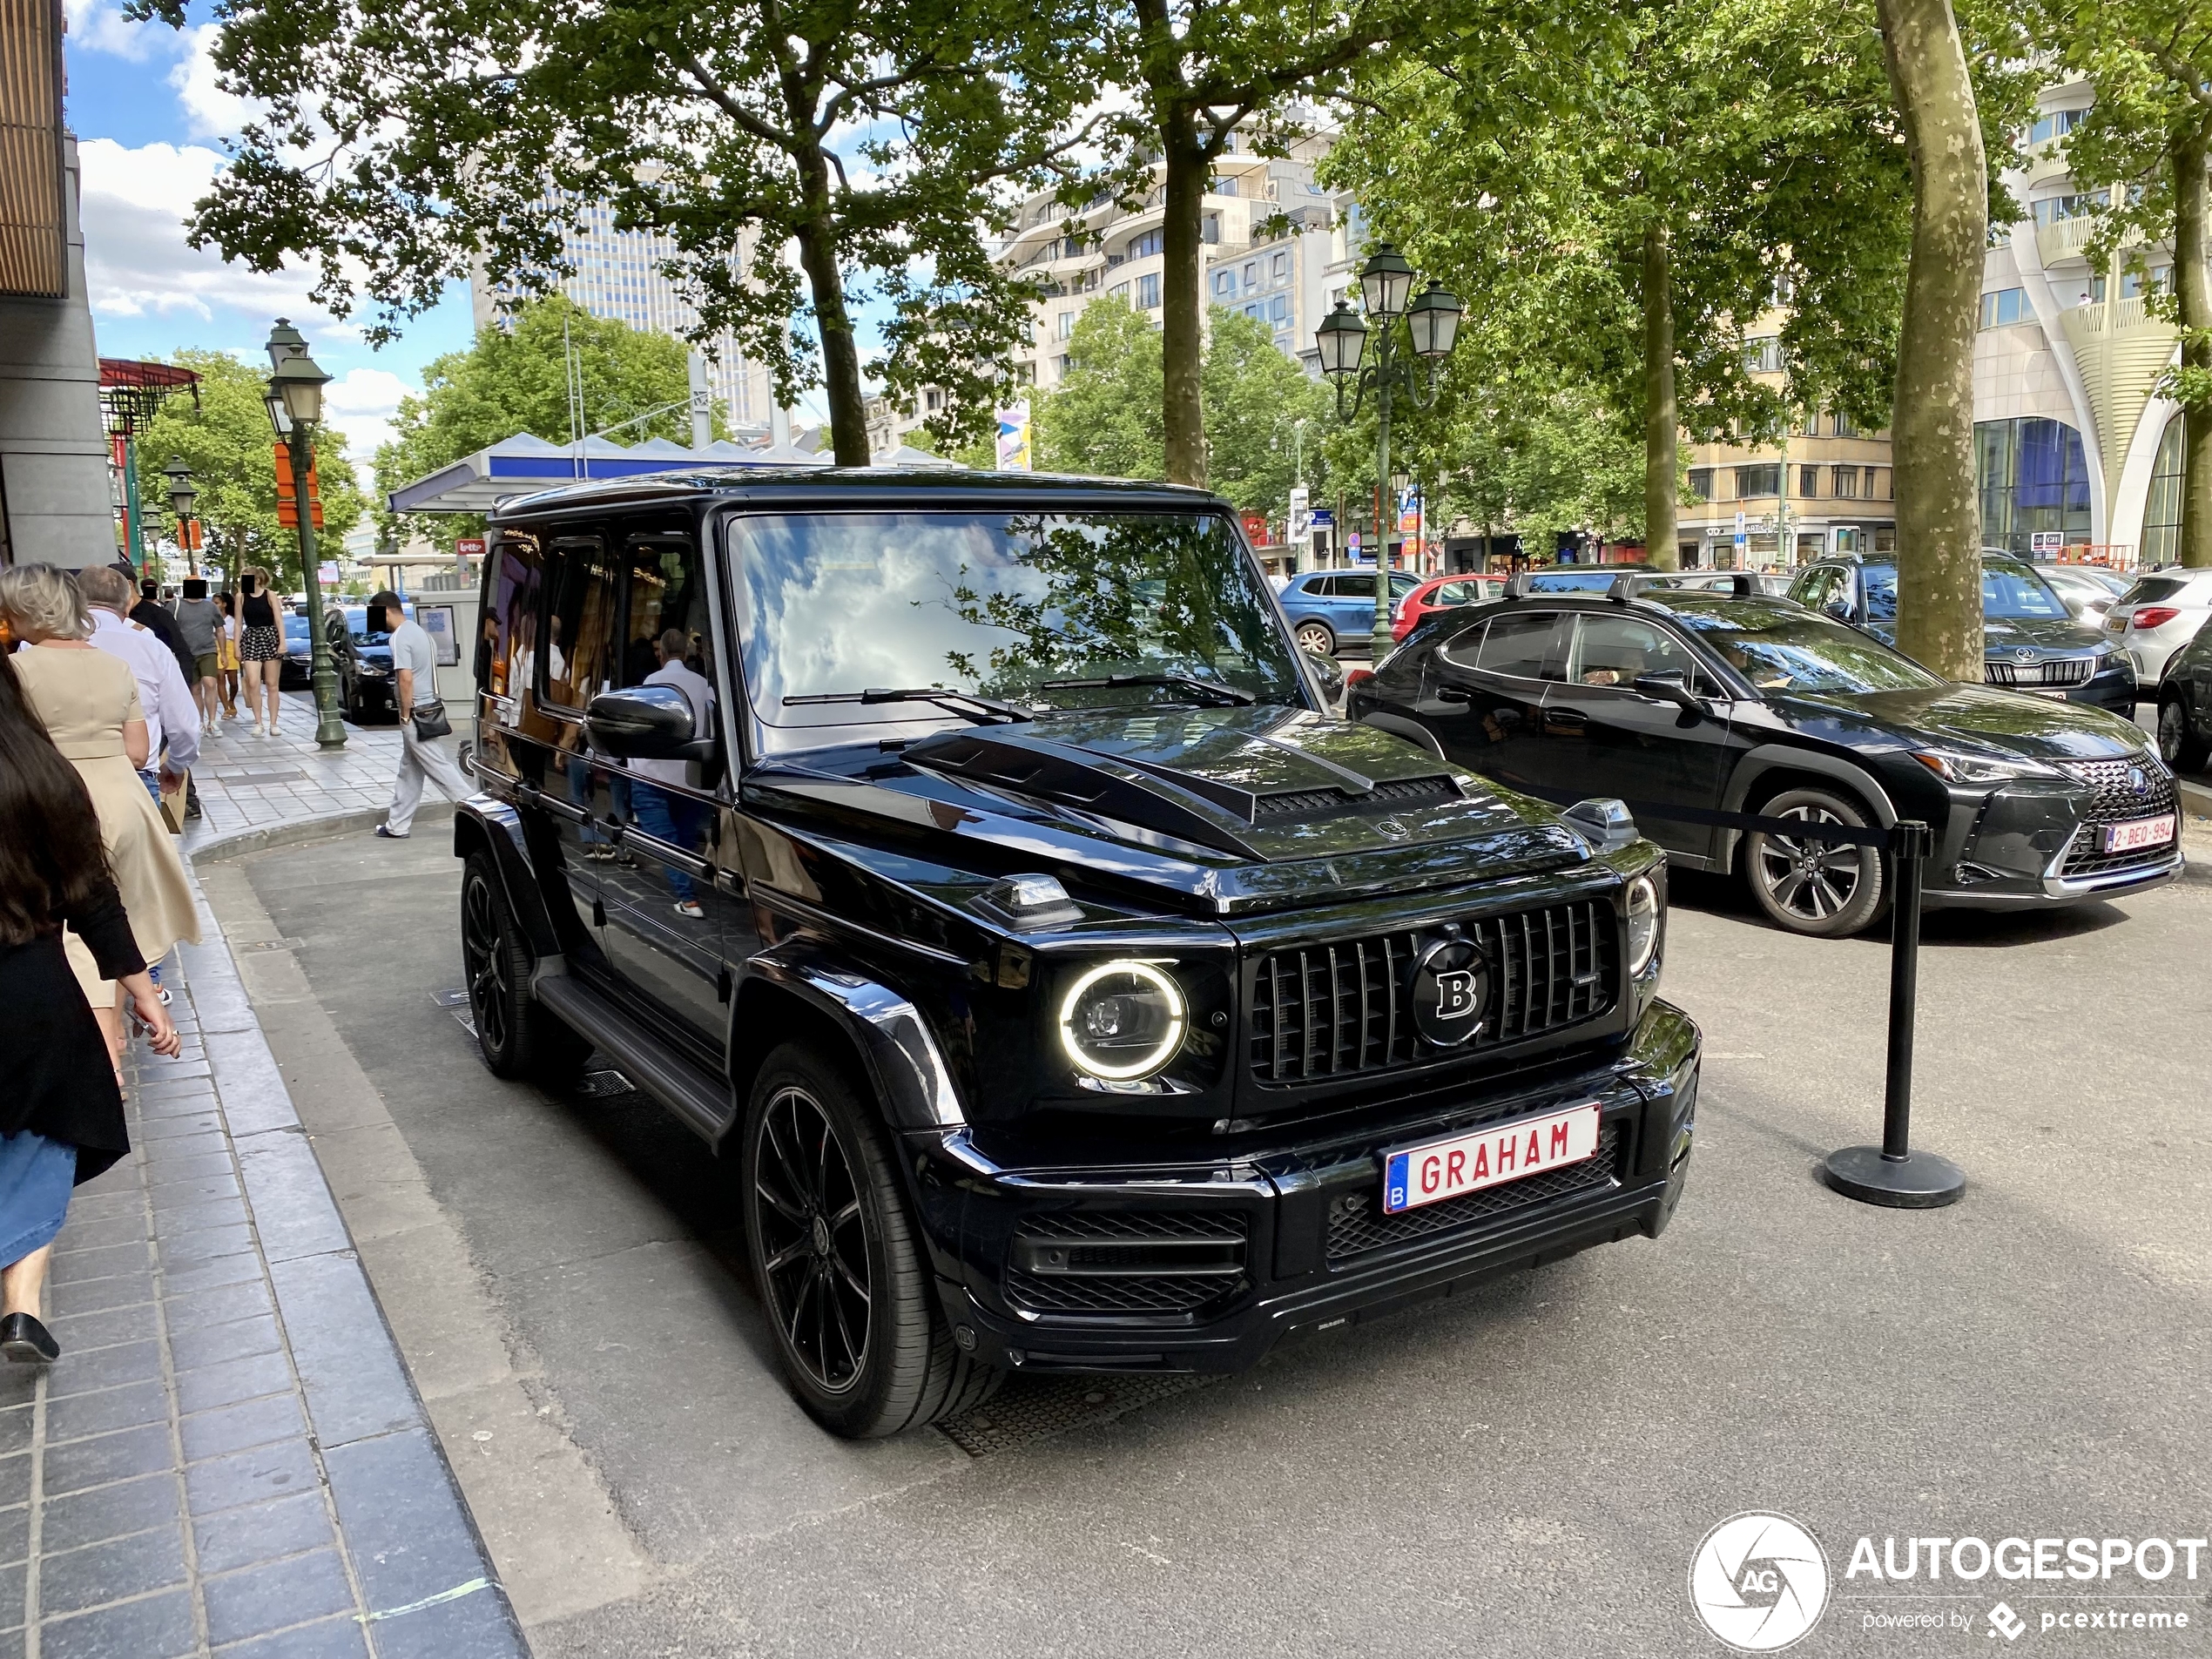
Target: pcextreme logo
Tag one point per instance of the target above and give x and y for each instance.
(1758, 1581)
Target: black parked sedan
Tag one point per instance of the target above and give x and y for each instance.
(1706, 701)
(2030, 640)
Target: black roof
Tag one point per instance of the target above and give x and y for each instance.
(937, 486)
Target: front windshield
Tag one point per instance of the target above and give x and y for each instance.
(997, 603)
(2009, 592)
(1781, 649)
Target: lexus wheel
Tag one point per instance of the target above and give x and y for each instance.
(2178, 745)
(517, 1036)
(1315, 637)
(842, 1276)
(1823, 889)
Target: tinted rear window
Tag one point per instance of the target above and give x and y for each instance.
(2151, 588)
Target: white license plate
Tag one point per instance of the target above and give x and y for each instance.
(1431, 1171)
(2136, 833)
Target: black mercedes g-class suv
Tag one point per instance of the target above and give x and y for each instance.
(975, 858)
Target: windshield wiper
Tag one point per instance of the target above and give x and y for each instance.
(1209, 691)
(984, 710)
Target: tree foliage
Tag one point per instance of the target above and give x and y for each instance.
(228, 443)
(396, 143)
(515, 380)
(1105, 418)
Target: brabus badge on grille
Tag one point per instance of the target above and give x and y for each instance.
(1451, 992)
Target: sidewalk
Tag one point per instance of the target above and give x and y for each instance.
(229, 1458)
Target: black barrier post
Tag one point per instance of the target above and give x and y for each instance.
(1892, 1173)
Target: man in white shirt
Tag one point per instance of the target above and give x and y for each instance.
(415, 669)
(173, 718)
(663, 813)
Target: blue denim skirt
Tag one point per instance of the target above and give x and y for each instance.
(36, 1176)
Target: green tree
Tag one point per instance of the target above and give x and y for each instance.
(1620, 194)
(2148, 139)
(228, 443)
(1105, 418)
(515, 380)
(396, 143)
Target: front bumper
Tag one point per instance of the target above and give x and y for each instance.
(1311, 1252)
(2031, 846)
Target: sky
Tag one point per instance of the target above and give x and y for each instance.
(152, 129)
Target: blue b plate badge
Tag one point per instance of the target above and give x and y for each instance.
(1431, 1171)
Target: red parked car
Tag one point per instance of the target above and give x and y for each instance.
(1442, 593)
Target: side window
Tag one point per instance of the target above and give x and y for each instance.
(511, 617)
(575, 656)
(1816, 587)
(666, 594)
(1614, 651)
(1352, 587)
(1528, 645)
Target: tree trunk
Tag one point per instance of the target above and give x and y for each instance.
(1938, 529)
(1661, 425)
(1182, 406)
(2193, 288)
(840, 351)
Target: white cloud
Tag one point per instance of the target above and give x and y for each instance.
(95, 25)
(135, 261)
(360, 404)
(210, 113)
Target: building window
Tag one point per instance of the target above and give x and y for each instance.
(1119, 291)
(1147, 290)
(933, 400)
(1701, 483)
(1252, 275)
(2056, 210)
(2005, 307)
(1764, 479)
(1808, 480)
(1279, 309)
(1224, 285)
(1224, 186)
(2135, 284)
(1280, 266)
(1842, 426)
(1210, 228)
(1764, 356)
(2163, 512)
(2055, 124)
(2032, 476)
(1812, 424)
(1067, 325)
(1063, 367)
(1141, 246)
(1846, 480)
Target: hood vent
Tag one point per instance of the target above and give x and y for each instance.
(1311, 803)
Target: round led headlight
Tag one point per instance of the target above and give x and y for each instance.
(1122, 1021)
(1643, 923)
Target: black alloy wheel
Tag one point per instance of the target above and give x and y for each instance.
(1822, 889)
(841, 1273)
(515, 1033)
(2178, 745)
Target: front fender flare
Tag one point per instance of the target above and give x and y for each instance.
(483, 823)
(1780, 757)
(890, 1034)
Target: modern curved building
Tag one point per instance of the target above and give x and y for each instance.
(2073, 449)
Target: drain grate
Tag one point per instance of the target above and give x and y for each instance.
(455, 998)
(603, 1082)
(1028, 1410)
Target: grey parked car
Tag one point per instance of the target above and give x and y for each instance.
(2185, 706)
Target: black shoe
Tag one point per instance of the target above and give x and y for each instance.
(26, 1341)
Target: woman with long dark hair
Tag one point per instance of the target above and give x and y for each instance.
(61, 1114)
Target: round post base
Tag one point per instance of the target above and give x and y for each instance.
(1917, 1180)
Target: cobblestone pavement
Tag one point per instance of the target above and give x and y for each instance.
(248, 782)
(229, 1458)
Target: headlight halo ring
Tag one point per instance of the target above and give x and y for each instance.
(1642, 954)
(1179, 1019)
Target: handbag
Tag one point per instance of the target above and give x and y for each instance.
(430, 722)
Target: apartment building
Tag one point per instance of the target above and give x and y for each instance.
(2072, 448)
(618, 275)
(1103, 251)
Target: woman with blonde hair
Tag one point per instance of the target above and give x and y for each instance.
(227, 653)
(87, 701)
(260, 647)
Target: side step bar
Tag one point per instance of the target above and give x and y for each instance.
(701, 1099)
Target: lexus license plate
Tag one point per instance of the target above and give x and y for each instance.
(1431, 1171)
(2135, 833)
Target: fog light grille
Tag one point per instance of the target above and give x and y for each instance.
(1126, 1262)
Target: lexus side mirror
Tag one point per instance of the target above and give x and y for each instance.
(646, 723)
(1669, 687)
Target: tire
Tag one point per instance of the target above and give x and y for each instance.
(1315, 637)
(516, 1035)
(1821, 891)
(2178, 745)
(863, 1359)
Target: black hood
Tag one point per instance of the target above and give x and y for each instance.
(1973, 717)
(2022, 639)
(1247, 806)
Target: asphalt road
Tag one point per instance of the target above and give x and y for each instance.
(1524, 1469)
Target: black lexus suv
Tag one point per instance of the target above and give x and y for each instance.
(974, 858)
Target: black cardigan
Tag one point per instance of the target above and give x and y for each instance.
(59, 1080)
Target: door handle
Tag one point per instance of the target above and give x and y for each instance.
(1566, 719)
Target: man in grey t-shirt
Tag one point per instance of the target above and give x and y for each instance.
(199, 619)
(415, 669)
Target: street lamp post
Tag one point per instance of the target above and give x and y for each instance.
(1432, 323)
(181, 497)
(295, 400)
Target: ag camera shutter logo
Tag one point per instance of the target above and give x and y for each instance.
(1758, 1581)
